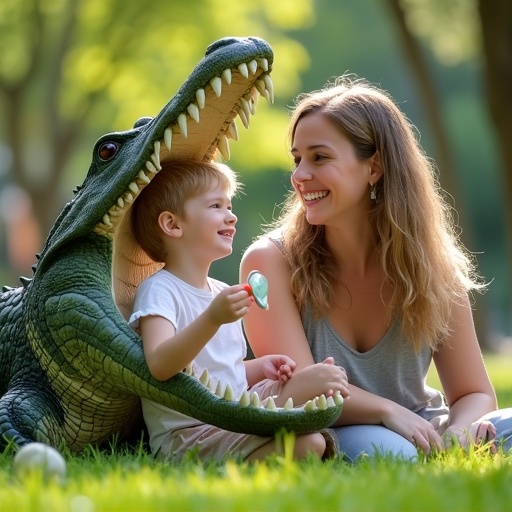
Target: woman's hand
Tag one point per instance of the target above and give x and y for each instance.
(414, 428)
(479, 433)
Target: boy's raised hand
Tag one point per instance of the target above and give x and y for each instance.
(230, 305)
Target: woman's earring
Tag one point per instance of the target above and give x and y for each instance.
(373, 192)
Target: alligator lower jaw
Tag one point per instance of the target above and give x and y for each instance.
(249, 414)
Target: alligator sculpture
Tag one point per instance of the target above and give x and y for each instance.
(72, 371)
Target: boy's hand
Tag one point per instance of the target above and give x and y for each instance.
(317, 379)
(278, 367)
(230, 305)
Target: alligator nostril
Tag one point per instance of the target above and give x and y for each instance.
(225, 41)
(142, 121)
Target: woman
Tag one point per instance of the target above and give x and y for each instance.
(364, 265)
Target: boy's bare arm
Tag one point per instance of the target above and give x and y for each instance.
(167, 352)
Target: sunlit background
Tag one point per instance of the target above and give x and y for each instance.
(72, 70)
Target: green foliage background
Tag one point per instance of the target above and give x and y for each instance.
(123, 59)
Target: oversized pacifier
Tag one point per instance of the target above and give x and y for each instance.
(257, 286)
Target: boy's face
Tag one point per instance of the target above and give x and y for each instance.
(209, 224)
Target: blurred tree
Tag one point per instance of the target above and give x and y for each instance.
(71, 70)
(432, 107)
(460, 30)
(496, 27)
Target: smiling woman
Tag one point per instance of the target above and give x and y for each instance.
(366, 268)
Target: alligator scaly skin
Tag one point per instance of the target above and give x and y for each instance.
(72, 371)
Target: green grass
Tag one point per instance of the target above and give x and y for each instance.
(122, 480)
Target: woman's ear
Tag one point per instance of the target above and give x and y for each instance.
(169, 224)
(376, 171)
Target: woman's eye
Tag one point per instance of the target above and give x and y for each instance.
(108, 150)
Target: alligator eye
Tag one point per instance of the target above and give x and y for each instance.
(108, 150)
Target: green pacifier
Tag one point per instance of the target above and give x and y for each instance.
(258, 288)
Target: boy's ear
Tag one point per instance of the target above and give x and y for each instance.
(376, 171)
(169, 224)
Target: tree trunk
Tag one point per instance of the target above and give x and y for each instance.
(496, 24)
(444, 155)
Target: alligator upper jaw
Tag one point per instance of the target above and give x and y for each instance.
(201, 131)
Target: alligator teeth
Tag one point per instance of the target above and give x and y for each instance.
(218, 390)
(244, 70)
(243, 117)
(269, 85)
(120, 202)
(338, 399)
(270, 405)
(106, 221)
(264, 64)
(226, 75)
(188, 369)
(245, 399)
(228, 393)
(193, 110)
(252, 99)
(114, 211)
(253, 66)
(201, 98)
(330, 401)
(232, 131)
(223, 147)
(321, 402)
(168, 138)
(288, 406)
(155, 156)
(205, 377)
(216, 84)
(260, 86)
(310, 406)
(255, 399)
(246, 108)
(182, 123)
(142, 176)
(150, 166)
(134, 188)
(128, 197)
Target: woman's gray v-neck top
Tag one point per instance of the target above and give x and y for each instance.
(392, 369)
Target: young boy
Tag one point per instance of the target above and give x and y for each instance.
(184, 219)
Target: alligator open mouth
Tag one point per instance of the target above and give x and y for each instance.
(201, 132)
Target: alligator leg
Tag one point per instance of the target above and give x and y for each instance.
(29, 413)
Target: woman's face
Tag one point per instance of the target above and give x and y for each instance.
(331, 181)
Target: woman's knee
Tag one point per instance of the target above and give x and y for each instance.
(502, 420)
(374, 441)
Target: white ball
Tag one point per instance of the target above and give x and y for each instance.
(42, 458)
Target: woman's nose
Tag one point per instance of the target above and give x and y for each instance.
(301, 174)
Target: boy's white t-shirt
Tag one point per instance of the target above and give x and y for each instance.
(163, 294)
